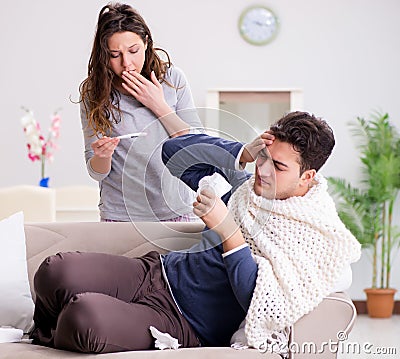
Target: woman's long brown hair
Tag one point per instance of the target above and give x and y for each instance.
(100, 99)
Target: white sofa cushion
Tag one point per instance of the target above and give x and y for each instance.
(16, 304)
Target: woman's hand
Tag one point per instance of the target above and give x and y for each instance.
(104, 147)
(149, 93)
(252, 149)
(214, 213)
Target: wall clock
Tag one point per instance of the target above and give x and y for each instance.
(258, 25)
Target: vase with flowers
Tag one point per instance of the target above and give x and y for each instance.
(39, 147)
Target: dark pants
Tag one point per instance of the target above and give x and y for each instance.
(101, 303)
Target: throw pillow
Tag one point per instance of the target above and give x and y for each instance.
(16, 304)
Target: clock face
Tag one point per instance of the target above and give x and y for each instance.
(258, 25)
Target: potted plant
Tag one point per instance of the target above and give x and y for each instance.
(367, 211)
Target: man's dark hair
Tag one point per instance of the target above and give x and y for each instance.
(310, 136)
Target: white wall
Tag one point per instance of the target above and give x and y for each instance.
(344, 54)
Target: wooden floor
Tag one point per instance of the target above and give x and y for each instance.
(372, 338)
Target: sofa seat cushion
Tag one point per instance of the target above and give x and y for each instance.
(26, 350)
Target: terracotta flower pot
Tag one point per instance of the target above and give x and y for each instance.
(380, 302)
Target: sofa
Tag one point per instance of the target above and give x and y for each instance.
(336, 314)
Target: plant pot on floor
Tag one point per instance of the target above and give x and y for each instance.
(380, 302)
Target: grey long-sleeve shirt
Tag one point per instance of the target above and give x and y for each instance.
(138, 186)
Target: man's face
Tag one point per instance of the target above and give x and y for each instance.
(277, 172)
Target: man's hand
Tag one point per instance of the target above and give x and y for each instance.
(252, 149)
(214, 213)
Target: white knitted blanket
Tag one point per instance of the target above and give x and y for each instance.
(300, 246)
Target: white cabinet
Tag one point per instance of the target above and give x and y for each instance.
(77, 204)
(242, 114)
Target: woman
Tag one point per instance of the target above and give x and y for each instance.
(130, 89)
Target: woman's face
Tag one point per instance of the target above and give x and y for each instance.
(127, 52)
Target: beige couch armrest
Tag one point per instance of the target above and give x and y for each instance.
(37, 203)
(316, 334)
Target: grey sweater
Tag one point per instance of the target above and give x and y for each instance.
(138, 186)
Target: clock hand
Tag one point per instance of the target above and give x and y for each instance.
(260, 23)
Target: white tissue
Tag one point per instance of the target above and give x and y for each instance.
(10, 335)
(218, 183)
(238, 340)
(164, 340)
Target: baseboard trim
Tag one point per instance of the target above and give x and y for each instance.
(361, 306)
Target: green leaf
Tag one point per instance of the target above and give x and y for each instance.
(363, 209)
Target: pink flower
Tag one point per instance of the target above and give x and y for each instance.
(38, 147)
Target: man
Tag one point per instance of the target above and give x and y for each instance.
(280, 209)
(288, 254)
